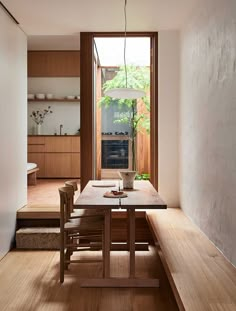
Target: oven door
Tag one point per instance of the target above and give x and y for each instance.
(115, 154)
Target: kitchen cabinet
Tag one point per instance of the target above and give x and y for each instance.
(57, 144)
(53, 63)
(56, 156)
(75, 144)
(75, 165)
(58, 165)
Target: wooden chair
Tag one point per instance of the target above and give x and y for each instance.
(82, 212)
(72, 183)
(77, 232)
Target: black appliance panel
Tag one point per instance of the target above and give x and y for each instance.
(115, 154)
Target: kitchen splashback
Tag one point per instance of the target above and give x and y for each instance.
(65, 113)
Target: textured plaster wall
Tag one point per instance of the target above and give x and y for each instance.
(13, 131)
(208, 122)
(168, 116)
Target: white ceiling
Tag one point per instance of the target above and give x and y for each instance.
(70, 17)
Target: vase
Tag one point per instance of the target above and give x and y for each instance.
(128, 179)
(38, 129)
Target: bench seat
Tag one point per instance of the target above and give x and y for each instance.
(200, 276)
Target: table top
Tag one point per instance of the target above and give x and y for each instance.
(143, 196)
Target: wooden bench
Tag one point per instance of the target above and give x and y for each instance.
(200, 276)
(32, 176)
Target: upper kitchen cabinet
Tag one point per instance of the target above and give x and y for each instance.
(53, 63)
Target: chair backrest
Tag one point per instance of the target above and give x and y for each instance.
(74, 186)
(66, 203)
(72, 183)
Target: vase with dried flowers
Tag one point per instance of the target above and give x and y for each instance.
(38, 117)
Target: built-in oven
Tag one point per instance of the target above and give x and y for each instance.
(115, 154)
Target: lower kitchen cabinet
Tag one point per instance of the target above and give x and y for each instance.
(56, 157)
(75, 164)
(58, 165)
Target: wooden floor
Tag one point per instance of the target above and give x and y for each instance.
(43, 201)
(46, 191)
(29, 281)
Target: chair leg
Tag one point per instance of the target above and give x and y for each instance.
(68, 252)
(62, 258)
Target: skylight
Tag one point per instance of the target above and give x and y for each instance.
(111, 51)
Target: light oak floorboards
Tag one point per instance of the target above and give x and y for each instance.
(29, 280)
(46, 191)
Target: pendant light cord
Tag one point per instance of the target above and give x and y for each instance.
(125, 92)
(125, 44)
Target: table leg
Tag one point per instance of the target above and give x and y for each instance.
(127, 229)
(132, 243)
(107, 281)
(107, 243)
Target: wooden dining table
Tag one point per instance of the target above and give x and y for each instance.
(143, 196)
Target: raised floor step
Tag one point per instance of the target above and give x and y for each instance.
(38, 238)
(39, 211)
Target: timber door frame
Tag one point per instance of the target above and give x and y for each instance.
(87, 101)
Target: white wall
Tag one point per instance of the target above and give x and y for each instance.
(208, 122)
(13, 132)
(66, 113)
(168, 112)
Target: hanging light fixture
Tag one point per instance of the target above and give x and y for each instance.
(126, 92)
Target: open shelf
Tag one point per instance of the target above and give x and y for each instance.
(54, 100)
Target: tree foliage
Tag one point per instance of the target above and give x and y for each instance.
(137, 78)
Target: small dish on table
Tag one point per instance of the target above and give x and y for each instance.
(115, 194)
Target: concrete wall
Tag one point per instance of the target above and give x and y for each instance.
(208, 122)
(13, 132)
(168, 122)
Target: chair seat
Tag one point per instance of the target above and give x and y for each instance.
(86, 212)
(85, 224)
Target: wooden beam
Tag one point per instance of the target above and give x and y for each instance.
(86, 107)
(154, 110)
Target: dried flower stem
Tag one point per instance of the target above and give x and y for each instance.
(39, 115)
